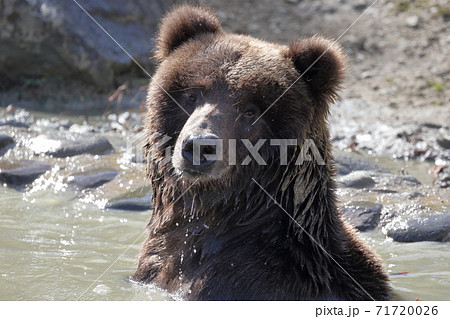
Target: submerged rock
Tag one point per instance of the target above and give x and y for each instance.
(64, 145)
(423, 228)
(23, 173)
(362, 215)
(91, 179)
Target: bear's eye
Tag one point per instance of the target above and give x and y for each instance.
(192, 98)
(249, 113)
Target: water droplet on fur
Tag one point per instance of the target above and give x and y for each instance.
(195, 250)
(189, 291)
(176, 224)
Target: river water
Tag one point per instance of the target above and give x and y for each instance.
(55, 248)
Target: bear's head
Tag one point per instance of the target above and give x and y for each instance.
(219, 100)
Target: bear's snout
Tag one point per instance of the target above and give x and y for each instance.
(198, 155)
(199, 151)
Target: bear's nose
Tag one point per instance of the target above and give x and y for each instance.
(201, 150)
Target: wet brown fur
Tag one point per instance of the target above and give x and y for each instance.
(224, 238)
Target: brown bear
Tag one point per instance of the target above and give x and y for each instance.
(260, 221)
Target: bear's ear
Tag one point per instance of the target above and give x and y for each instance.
(321, 65)
(181, 24)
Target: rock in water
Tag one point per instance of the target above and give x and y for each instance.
(91, 179)
(347, 164)
(424, 228)
(356, 179)
(64, 145)
(5, 141)
(23, 173)
(362, 215)
(132, 204)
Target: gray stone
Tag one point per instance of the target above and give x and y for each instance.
(132, 204)
(444, 142)
(138, 199)
(5, 141)
(54, 37)
(70, 144)
(362, 215)
(91, 179)
(14, 123)
(23, 173)
(422, 228)
(347, 164)
(356, 179)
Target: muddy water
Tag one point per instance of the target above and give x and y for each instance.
(54, 248)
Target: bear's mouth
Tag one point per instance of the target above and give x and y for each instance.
(191, 173)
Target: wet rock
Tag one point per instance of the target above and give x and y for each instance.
(356, 179)
(132, 204)
(22, 173)
(136, 200)
(414, 195)
(347, 164)
(359, 5)
(57, 38)
(64, 145)
(431, 125)
(5, 141)
(423, 228)
(362, 215)
(444, 143)
(91, 179)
